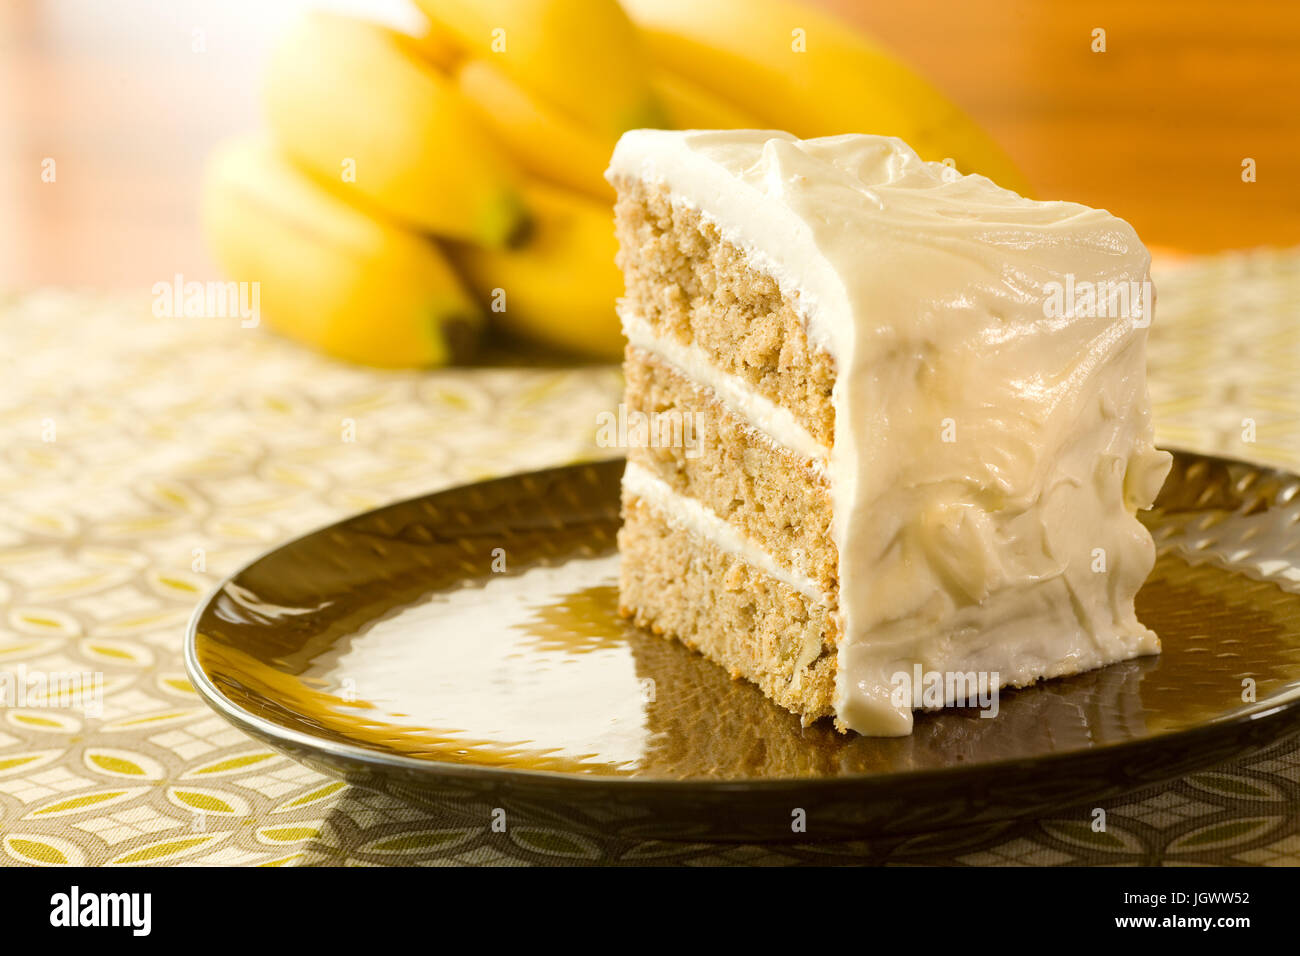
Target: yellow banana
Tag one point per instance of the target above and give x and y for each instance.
(559, 287)
(583, 57)
(691, 106)
(437, 46)
(539, 139)
(356, 103)
(804, 71)
(329, 275)
(553, 147)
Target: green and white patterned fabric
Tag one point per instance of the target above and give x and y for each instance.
(145, 458)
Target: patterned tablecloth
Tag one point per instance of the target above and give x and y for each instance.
(145, 458)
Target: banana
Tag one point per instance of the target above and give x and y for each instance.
(330, 276)
(583, 57)
(557, 289)
(798, 69)
(691, 106)
(539, 139)
(356, 103)
(437, 47)
(552, 147)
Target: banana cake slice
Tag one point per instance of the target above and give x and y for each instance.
(898, 421)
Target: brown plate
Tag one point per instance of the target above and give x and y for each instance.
(464, 646)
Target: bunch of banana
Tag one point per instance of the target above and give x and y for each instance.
(415, 186)
(354, 285)
(559, 288)
(803, 71)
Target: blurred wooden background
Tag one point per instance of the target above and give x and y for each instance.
(128, 96)
(1154, 129)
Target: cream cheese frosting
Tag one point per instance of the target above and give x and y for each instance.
(990, 450)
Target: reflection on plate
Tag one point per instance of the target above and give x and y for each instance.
(468, 642)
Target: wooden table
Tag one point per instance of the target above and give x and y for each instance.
(128, 97)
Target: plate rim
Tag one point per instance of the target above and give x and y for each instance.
(1280, 708)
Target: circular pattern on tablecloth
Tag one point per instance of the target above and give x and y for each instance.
(145, 458)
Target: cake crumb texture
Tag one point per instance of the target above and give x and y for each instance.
(758, 628)
(685, 280)
(777, 499)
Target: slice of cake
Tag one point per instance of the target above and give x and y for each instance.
(891, 422)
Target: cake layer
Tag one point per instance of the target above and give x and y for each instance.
(684, 586)
(693, 362)
(777, 499)
(687, 283)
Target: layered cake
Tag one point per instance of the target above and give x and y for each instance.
(892, 421)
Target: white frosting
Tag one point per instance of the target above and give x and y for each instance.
(698, 519)
(988, 455)
(773, 420)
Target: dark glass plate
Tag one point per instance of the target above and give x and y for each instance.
(465, 645)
